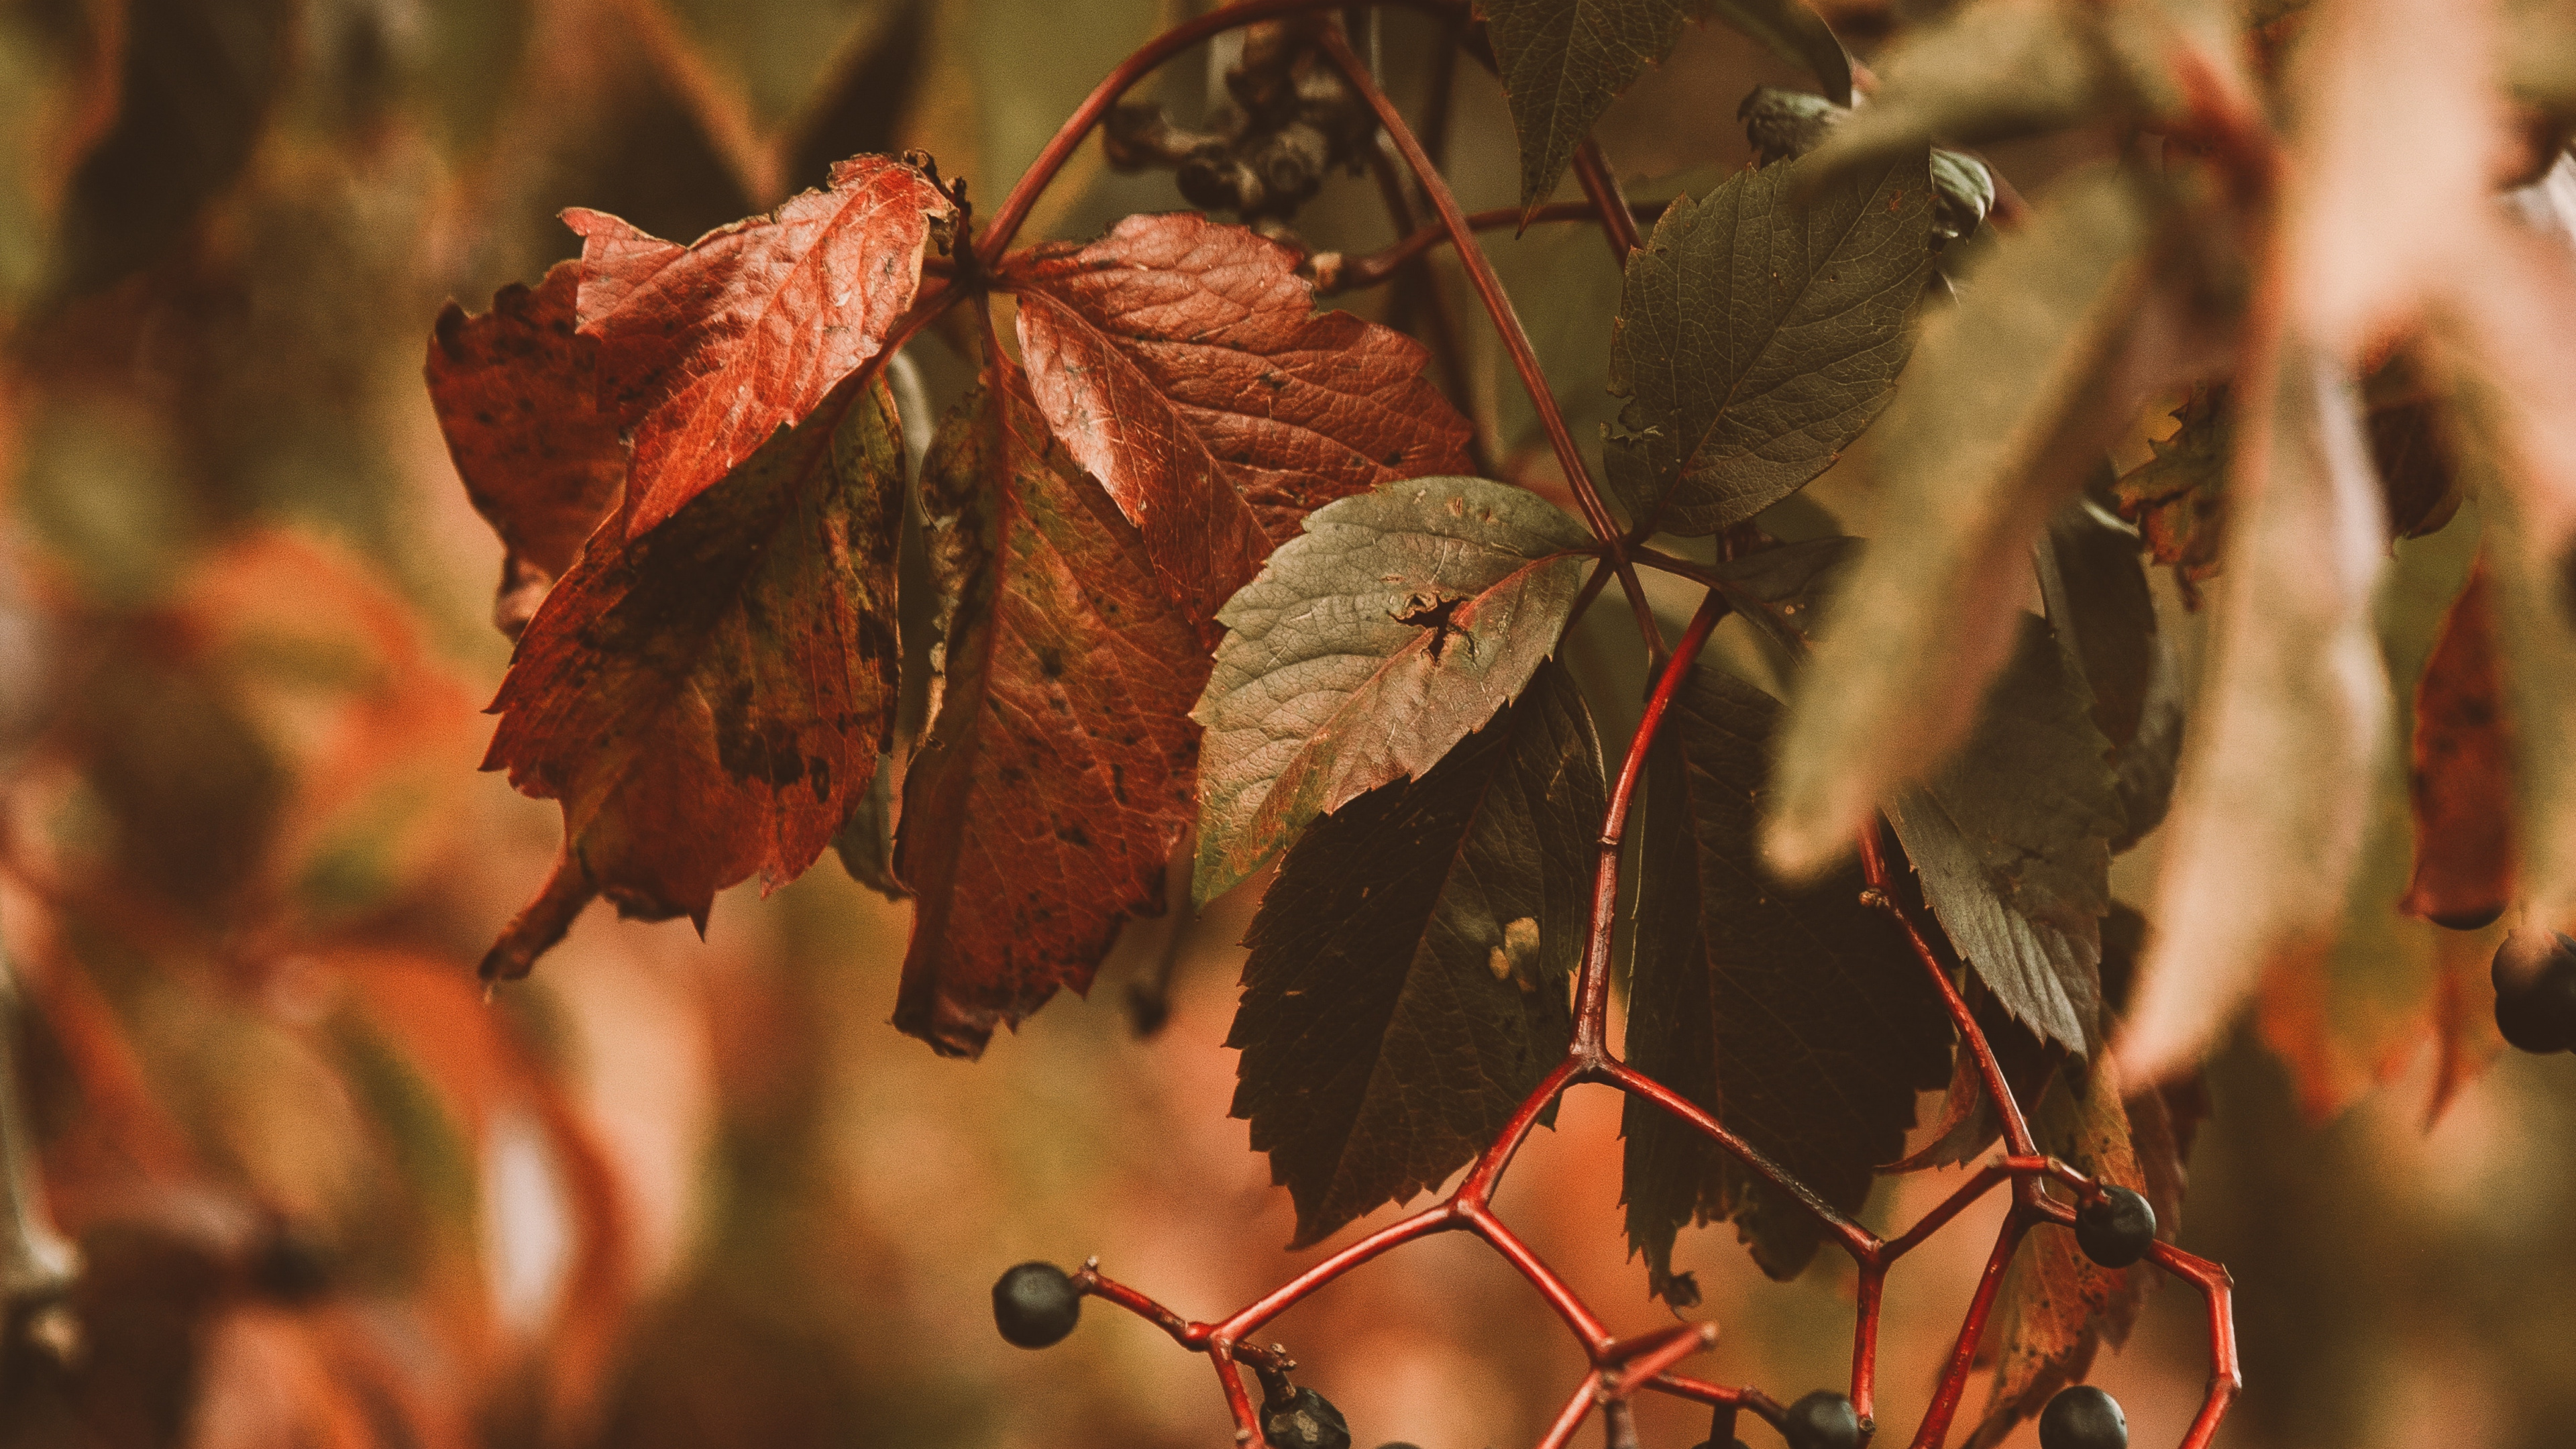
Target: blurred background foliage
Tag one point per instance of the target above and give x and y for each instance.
(675, 1192)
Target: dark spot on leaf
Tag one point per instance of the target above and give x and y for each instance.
(1437, 619)
(1051, 663)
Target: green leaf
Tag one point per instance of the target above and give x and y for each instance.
(1776, 589)
(2063, 329)
(1372, 643)
(2271, 817)
(1757, 337)
(1563, 61)
(2012, 841)
(1798, 1016)
(2105, 622)
(1407, 982)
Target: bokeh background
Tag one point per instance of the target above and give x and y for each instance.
(679, 1192)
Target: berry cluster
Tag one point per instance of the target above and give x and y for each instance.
(1037, 1304)
(1292, 119)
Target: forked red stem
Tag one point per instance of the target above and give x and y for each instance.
(1619, 1366)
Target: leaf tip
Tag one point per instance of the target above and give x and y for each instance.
(1802, 840)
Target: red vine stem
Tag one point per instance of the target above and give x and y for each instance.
(1577, 1408)
(1592, 987)
(1337, 273)
(1618, 1365)
(1882, 893)
(1601, 187)
(1498, 305)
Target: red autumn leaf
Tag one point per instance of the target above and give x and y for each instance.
(1058, 776)
(1183, 365)
(710, 699)
(2462, 782)
(516, 392)
(706, 350)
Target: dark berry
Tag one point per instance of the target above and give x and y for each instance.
(2475, 919)
(2083, 1417)
(1036, 1305)
(1306, 1420)
(2117, 1228)
(2536, 998)
(1822, 1420)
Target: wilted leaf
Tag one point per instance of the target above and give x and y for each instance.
(2462, 782)
(1756, 338)
(865, 843)
(1182, 364)
(706, 350)
(2505, 347)
(711, 699)
(2012, 841)
(1799, 1017)
(2536, 638)
(1056, 776)
(1407, 982)
(1563, 61)
(516, 392)
(2058, 1307)
(2011, 398)
(2105, 622)
(1368, 647)
(2270, 816)
(2177, 498)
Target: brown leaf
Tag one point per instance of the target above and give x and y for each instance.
(710, 700)
(2506, 344)
(1182, 364)
(706, 350)
(1057, 776)
(2058, 1307)
(2177, 498)
(516, 392)
(2462, 783)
